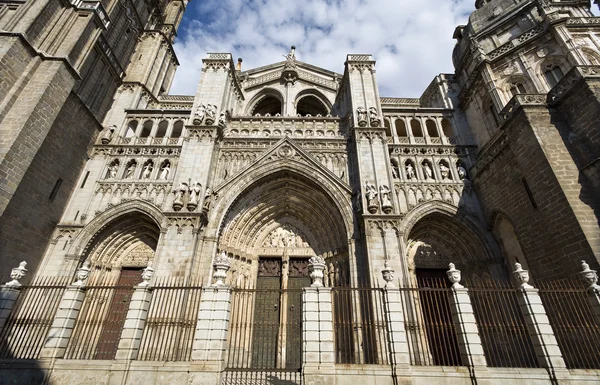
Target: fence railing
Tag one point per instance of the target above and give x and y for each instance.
(575, 326)
(25, 330)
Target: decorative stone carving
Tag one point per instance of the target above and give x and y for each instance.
(454, 276)
(179, 193)
(199, 114)
(410, 171)
(130, 169)
(444, 171)
(195, 190)
(371, 195)
(285, 236)
(82, 274)
(221, 266)
(147, 275)
(591, 277)
(386, 203)
(316, 266)
(462, 172)
(16, 274)
(388, 274)
(107, 134)
(427, 171)
(361, 114)
(165, 171)
(113, 169)
(522, 276)
(147, 170)
(211, 112)
(374, 117)
(223, 119)
(207, 200)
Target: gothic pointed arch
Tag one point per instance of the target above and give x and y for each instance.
(267, 101)
(312, 102)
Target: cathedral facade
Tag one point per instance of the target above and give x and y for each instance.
(276, 222)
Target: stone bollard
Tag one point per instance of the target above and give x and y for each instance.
(591, 277)
(538, 325)
(137, 314)
(64, 320)
(469, 342)
(318, 355)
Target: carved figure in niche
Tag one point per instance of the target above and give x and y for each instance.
(107, 134)
(179, 193)
(130, 170)
(386, 203)
(195, 190)
(361, 114)
(444, 171)
(374, 117)
(427, 171)
(395, 171)
(147, 171)
(166, 170)
(207, 198)
(331, 272)
(357, 198)
(371, 195)
(462, 172)
(112, 170)
(410, 171)
(326, 276)
(211, 111)
(199, 114)
(223, 119)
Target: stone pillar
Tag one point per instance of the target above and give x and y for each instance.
(469, 342)
(318, 356)
(210, 339)
(8, 297)
(396, 332)
(131, 336)
(538, 325)
(64, 322)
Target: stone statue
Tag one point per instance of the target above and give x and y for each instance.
(462, 172)
(147, 171)
(361, 114)
(410, 171)
(395, 173)
(427, 171)
(223, 119)
(211, 111)
(207, 195)
(112, 171)
(164, 173)
(16, 274)
(371, 195)
(130, 170)
(195, 190)
(199, 114)
(386, 203)
(444, 171)
(107, 134)
(147, 274)
(374, 117)
(179, 193)
(331, 271)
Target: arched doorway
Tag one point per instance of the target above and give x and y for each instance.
(270, 232)
(116, 255)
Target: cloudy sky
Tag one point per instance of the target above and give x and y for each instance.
(410, 39)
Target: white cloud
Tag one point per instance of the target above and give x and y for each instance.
(410, 39)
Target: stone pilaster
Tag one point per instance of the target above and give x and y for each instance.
(540, 331)
(318, 355)
(8, 297)
(396, 332)
(469, 342)
(64, 322)
(133, 328)
(210, 339)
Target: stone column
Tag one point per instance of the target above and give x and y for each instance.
(469, 342)
(64, 322)
(318, 356)
(538, 325)
(133, 329)
(8, 297)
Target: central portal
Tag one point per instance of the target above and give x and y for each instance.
(277, 332)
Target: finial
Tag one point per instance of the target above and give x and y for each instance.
(16, 274)
(522, 276)
(454, 276)
(82, 274)
(221, 266)
(316, 266)
(147, 275)
(590, 276)
(388, 274)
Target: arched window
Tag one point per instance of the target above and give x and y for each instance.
(447, 128)
(177, 129)
(131, 128)
(268, 105)
(162, 129)
(311, 105)
(401, 128)
(432, 129)
(388, 129)
(553, 74)
(415, 126)
(146, 129)
(516, 88)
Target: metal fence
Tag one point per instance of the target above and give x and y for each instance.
(360, 332)
(172, 316)
(25, 330)
(502, 328)
(575, 326)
